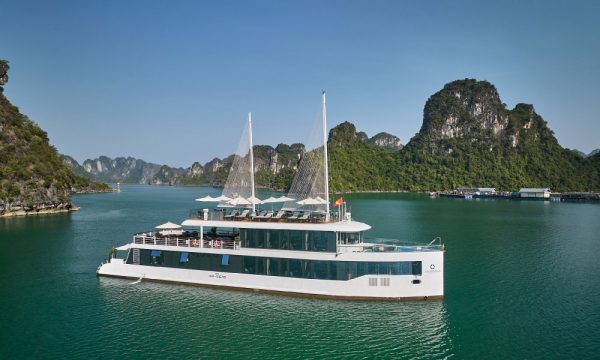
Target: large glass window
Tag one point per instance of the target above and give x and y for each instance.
(295, 268)
(416, 268)
(296, 240)
(250, 264)
(259, 235)
(273, 240)
(350, 238)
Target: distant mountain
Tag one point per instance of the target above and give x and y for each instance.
(387, 141)
(269, 163)
(468, 138)
(594, 152)
(33, 178)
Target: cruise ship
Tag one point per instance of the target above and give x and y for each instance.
(295, 244)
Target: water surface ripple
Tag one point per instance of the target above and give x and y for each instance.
(521, 282)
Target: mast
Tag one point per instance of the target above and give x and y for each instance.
(251, 161)
(325, 157)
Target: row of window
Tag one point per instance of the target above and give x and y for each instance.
(288, 239)
(309, 269)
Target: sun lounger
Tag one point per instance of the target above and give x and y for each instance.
(304, 217)
(294, 216)
(243, 215)
(231, 215)
(267, 216)
(279, 215)
(260, 214)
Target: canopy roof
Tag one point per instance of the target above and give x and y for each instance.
(309, 201)
(168, 226)
(239, 201)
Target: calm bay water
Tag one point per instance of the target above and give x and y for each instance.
(522, 281)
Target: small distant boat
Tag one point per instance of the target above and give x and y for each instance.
(433, 194)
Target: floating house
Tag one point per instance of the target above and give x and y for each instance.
(477, 191)
(541, 193)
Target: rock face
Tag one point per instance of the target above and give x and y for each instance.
(385, 140)
(120, 169)
(131, 170)
(470, 138)
(33, 178)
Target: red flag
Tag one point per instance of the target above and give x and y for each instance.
(338, 202)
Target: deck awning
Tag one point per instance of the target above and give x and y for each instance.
(184, 257)
(225, 260)
(155, 253)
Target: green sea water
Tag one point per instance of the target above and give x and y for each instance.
(522, 281)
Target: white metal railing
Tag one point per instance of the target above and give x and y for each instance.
(186, 242)
(387, 245)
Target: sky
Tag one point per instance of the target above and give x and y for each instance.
(171, 82)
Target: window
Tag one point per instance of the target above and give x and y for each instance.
(295, 268)
(155, 257)
(225, 260)
(250, 264)
(320, 270)
(184, 257)
(296, 240)
(416, 268)
(273, 242)
(351, 238)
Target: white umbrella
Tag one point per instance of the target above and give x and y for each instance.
(308, 201)
(256, 200)
(271, 200)
(285, 199)
(239, 201)
(222, 198)
(168, 226)
(207, 199)
(321, 200)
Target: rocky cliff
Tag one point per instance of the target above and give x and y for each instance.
(386, 141)
(33, 178)
(470, 138)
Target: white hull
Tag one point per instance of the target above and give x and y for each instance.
(368, 287)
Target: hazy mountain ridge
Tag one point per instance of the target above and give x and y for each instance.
(274, 167)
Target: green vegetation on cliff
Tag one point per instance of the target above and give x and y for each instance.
(468, 138)
(31, 171)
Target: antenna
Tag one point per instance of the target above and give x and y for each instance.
(251, 161)
(325, 156)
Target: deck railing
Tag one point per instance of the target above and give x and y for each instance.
(392, 245)
(189, 242)
(302, 216)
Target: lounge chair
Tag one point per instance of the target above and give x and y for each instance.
(304, 217)
(243, 215)
(267, 216)
(260, 214)
(231, 215)
(294, 216)
(279, 215)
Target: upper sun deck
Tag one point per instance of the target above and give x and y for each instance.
(273, 220)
